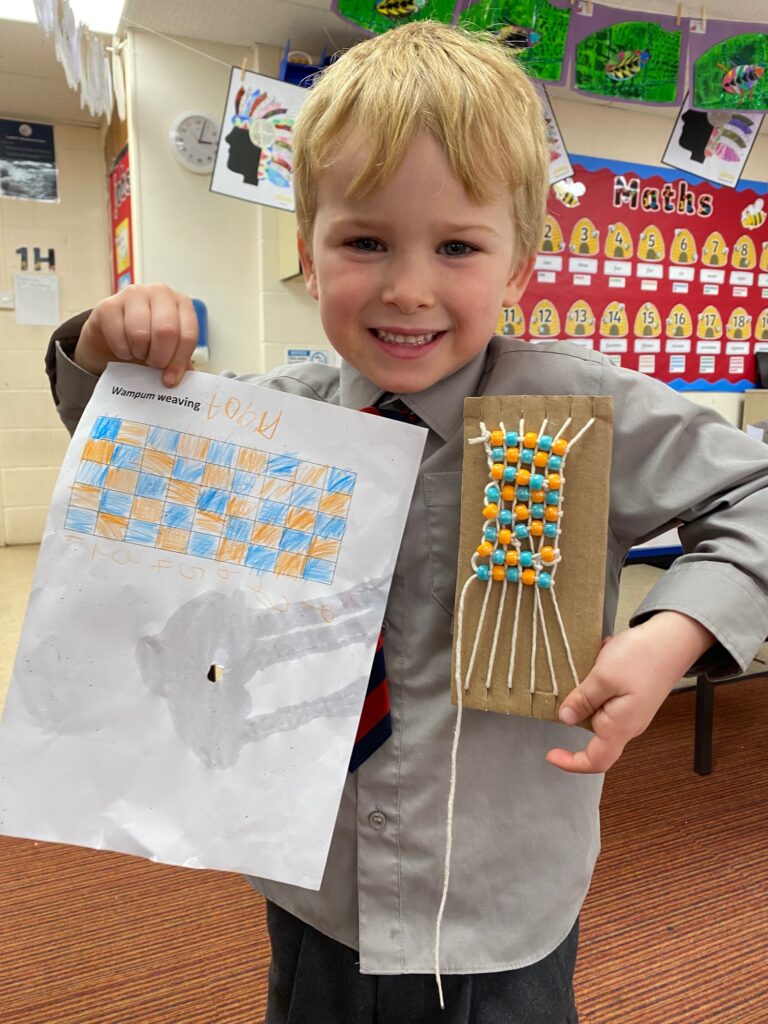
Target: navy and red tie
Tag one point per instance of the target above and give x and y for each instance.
(375, 726)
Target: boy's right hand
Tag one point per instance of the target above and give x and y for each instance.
(148, 324)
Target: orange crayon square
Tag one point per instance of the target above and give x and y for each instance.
(183, 493)
(311, 473)
(111, 526)
(122, 480)
(217, 476)
(276, 490)
(243, 508)
(193, 447)
(269, 536)
(324, 547)
(289, 563)
(334, 504)
(231, 551)
(301, 519)
(86, 496)
(98, 450)
(208, 522)
(148, 510)
(158, 463)
(251, 460)
(171, 539)
(133, 433)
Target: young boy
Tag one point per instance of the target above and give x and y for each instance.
(421, 179)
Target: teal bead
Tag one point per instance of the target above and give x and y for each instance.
(505, 517)
(523, 494)
(498, 557)
(491, 533)
(544, 580)
(511, 439)
(526, 559)
(492, 493)
(545, 443)
(483, 572)
(513, 574)
(554, 462)
(510, 474)
(526, 456)
(550, 529)
(553, 497)
(537, 510)
(521, 531)
(537, 482)
(497, 454)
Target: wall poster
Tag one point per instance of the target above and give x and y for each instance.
(120, 222)
(27, 161)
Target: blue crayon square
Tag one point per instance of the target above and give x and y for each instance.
(141, 533)
(304, 496)
(221, 453)
(188, 470)
(178, 516)
(213, 499)
(295, 540)
(82, 520)
(150, 485)
(126, 456)
(106, 427)
(340, 481)
(330, 527)
(281, 466)
(238, 529)
(320, 570)
(272, 512)
(163, 440)
(244, 483)
(259, 557)
(93, 473)
(203, 544)
(116, 503)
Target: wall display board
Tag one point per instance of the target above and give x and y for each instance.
(120, 222)
(729, 66)
(663, 272)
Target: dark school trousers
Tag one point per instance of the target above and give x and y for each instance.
(316, 980)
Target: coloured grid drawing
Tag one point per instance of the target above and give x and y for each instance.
(189, 494)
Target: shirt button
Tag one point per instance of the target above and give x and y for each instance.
(385, 627)
(377, 820)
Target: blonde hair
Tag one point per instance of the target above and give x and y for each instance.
(464, 88)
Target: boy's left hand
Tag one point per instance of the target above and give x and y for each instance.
(634, 673)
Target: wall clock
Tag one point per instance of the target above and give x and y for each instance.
(193, 138)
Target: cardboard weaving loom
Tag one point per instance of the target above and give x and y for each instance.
(499, 623)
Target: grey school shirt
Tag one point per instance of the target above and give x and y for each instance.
(526, 834)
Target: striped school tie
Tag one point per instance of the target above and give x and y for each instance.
(375, 726)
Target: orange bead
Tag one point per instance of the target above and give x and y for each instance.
(505, 537)
(497, 471)
(550, 514)
(498, 572)
(537, 528)
(508, 493)
(512, 455)
(491, 511)
(528, 576)
(523, 478)
(485, 549)
(537, 497)
(540, 459)
(554, 481)
(530, 440)
(559, 447)
(547, 554)
(497, 439)
(512, 557)
(522, 512)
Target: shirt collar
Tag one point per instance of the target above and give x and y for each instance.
(440, 407)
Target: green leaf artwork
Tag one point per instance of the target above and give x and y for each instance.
(386, 14)
(534, 29)
(630, 60)
(733, 75)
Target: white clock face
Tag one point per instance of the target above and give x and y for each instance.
(193, 139)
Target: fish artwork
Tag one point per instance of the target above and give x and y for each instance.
(397, 9)
(626, 64)
(518, 37)
(741, 79)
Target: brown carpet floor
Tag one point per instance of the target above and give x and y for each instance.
(675, 930)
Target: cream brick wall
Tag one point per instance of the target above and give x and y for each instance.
(32, 440)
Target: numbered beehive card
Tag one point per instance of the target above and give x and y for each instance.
(534, 519)
(202, 624)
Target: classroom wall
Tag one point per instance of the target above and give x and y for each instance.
(32, 440)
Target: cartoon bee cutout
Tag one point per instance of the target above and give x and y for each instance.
(618, 242)
(709, 323)
(679, 323)
(739, 326)
(545, 323)
(552, 239)
(585, 238)
(753, 216)
(764, 258)
(761, 330)
(614, 322)
(715, 251)
(626, 64)
(651, 247)
(580, 320)
(647, 321)
(744, 255)
(511, 322)
(683, 248)
(741, 80)
(517, 37)
(395, 10)
(569, 192)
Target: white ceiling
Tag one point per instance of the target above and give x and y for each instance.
(32, 83)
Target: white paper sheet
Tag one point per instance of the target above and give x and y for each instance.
(218, 524)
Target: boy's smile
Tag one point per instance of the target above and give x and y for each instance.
(410, 279)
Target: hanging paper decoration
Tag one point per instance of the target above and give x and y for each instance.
(636, 61)
(81, 54)
(376, 17)
(559, 163)
(712, 144)
(729, 66)
(535, 30)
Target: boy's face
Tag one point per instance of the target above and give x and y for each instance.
(411, 279)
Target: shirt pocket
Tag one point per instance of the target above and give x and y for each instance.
(442, 498)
